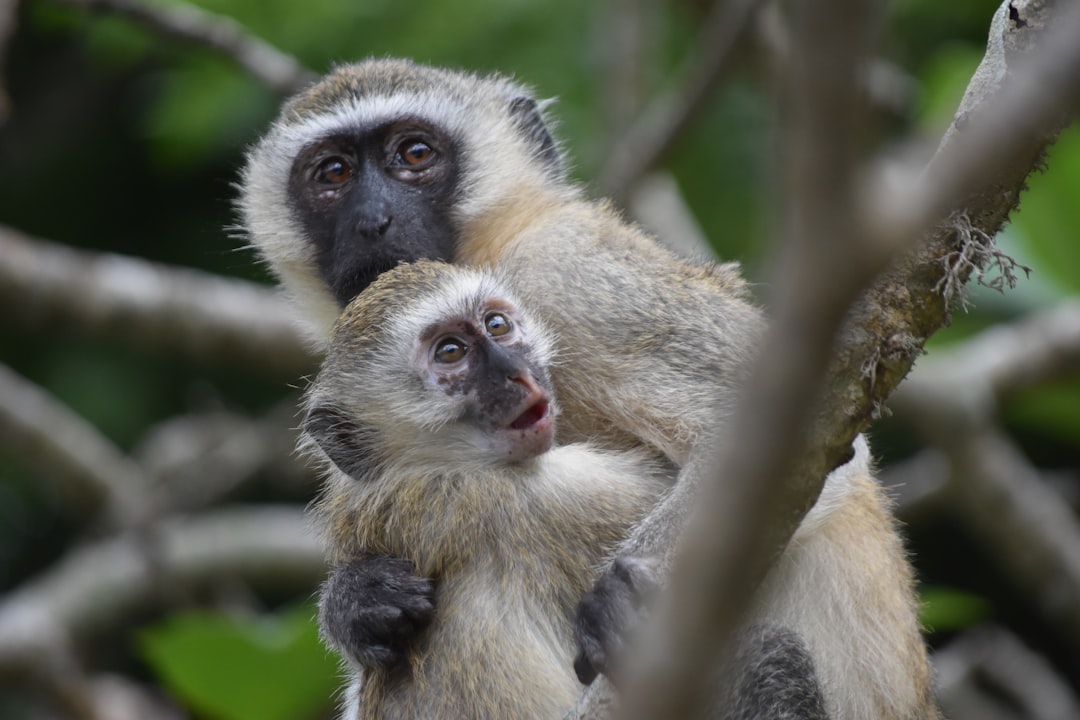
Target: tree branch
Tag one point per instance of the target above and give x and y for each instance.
(80, 462)
(724, 551)
(953, 398)
(1021, 683)
(1021, 521)
(8, 12)
(204, 316)
(651, 137)
(97, 586)
(199, 459)
(963, 386)
(224, 35)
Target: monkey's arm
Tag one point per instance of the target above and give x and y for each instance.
(843, 587)
(614, 603)
(771, 675)
(371, 608)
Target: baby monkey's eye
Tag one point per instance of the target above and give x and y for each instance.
(450, 350)
(497, 324)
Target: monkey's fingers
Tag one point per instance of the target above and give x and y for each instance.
(372, 608)
(608, 611)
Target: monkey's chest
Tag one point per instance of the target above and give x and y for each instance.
(493, 651)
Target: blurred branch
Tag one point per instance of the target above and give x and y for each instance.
(81, 464)
(771, 479)
(887, 87)
(964, 385)
(200, 315)
(1026, 526)
(989, 674)
(116, 697)
(738, 525)
(917, 485)
(981, 478)
(952, 398)
(657, 203)
(98, 586)
(198, 459)
(281, 72)
(8, 13)
(183, 464)
(651, 137)
(628, 40)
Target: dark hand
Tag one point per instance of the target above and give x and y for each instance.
(608, 611)
(372, 608)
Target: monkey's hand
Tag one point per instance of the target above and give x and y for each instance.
(609, 611)
(370, 609)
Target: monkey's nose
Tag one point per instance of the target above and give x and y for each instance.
(373, 228)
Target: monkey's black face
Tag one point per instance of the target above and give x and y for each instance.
(374, 198)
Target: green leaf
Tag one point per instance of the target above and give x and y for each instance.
(945, 608)
(228, 668)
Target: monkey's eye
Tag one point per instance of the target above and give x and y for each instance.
(450, 350)
(333, 171)
(415, 154)
(497, 324)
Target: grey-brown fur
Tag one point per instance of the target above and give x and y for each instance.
(651, 348)
(511, 546)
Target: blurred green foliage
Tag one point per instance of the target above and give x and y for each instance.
(947, 609)
(272, 667)
(124, 141)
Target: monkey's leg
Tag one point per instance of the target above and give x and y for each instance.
(371, 608)
(770, 677)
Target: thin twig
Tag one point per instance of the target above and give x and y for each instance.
(224, 35)
(648, 141)
(8, 17)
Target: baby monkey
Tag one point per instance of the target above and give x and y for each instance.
(435, 413)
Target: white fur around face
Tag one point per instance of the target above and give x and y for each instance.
(496, 164)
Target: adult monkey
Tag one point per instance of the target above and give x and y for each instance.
(388, 161)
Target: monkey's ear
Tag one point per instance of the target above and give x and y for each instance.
(527, 116)
(341, 437)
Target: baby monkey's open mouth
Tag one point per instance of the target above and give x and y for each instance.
(532, 415)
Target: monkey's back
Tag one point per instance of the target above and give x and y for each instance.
(648, 342)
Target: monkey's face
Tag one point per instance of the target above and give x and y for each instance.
(433, 367)
(480, 365)
(384, 162)
(370, 198)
